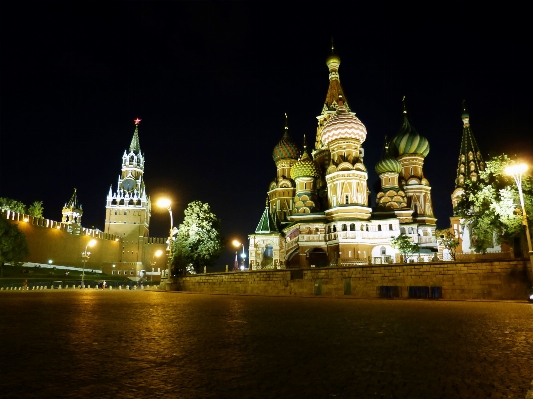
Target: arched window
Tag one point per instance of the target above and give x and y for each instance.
(402, 230)
(334, 228)
(383, 251)
(411, 230)
(379, 227)
(352, 227)
(344, 228)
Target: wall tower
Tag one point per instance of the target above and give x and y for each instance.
(128, 208)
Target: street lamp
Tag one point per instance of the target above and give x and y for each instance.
(517, 171)
(165, 203)
(85, 258)
(237, 243)
(157, 254)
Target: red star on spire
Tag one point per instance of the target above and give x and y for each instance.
(137, 121)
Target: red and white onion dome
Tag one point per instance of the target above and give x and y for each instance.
(343, 125)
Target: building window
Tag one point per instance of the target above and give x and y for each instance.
(383, 251)
(344, 228)
(118, 271)
(346, 199)
(125, 212)
(379, 227)
(131, 272)
(352, 227)
(112, 272)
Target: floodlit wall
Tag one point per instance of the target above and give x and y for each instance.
(458, 280)
(50, 240)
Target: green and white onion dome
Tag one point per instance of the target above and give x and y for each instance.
(286, 148)
(305, 167)
(409, 141)
(388, 164)
(343, 125)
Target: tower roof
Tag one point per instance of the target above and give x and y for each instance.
(286, 147)
(305, 166)
(408, 140)
(335, 89)
(470, 159)
(343, 124)
(387, 163)
(135, 146)
(73, 202)
(266, 224)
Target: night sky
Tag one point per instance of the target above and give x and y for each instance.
(211, 82)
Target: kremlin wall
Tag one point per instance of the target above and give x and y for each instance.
(51, 240)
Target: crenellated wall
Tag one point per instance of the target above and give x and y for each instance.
(509, 279)
(50, 240)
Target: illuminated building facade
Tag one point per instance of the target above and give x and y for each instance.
(318, 211)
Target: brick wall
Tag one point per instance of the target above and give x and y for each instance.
(458, 280)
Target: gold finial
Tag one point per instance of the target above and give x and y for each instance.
(332, 46)
(286, 121)
(404, 105)
(305, 144)
(386, 144)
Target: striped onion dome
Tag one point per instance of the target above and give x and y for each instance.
(388, 163)
(408, 140)
(286, 148)
(305, 167)
(343, 125)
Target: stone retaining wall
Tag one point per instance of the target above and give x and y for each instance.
(459, 280)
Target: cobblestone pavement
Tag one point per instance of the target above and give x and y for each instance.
(109, 344)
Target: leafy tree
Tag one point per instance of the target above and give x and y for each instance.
(448, 240)
(13, 245)
(36, 209)
(406, 247)
(8, 204)
(491, 207)
(199, 242)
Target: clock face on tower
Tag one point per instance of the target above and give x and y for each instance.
(128, 184)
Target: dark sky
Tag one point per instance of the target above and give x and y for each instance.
(211, 82)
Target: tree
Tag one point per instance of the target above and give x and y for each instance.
(490, 205)
(13, 245)
(36, 209)
(448, 240)
(8, 204)
(406, 247)
(199, 242)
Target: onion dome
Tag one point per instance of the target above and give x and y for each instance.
(305, 167)
(286, 148)
(343, 125)
(408, 140)
(388, 164)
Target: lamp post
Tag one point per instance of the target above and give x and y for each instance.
(517, 171)
(85, 258)
(157, 254)
(165, 203)
(237, 244)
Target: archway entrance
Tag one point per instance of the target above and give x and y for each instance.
(317, 257)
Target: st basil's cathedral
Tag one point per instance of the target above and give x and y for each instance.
(318, 210)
